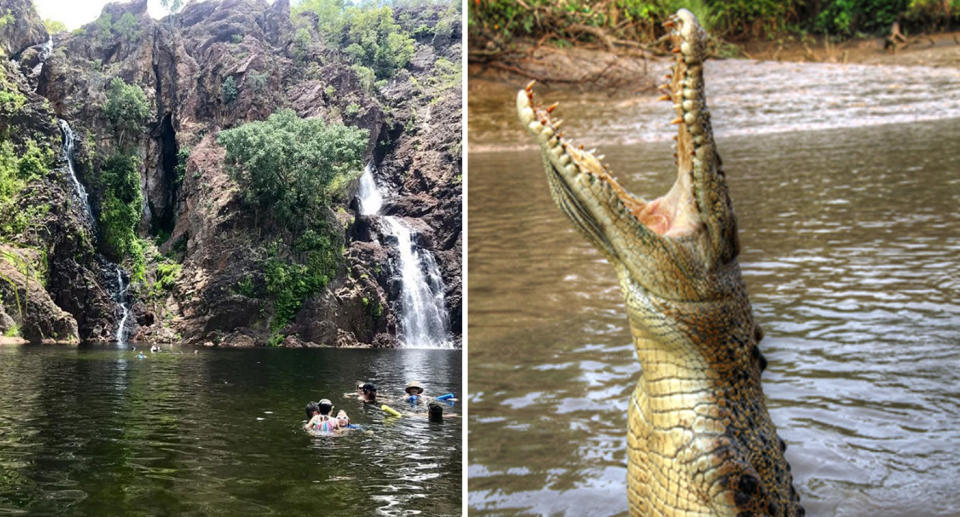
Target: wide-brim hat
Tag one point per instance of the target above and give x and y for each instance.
(413, 385)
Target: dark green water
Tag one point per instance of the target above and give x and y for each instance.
(850, 234)
(96, 431)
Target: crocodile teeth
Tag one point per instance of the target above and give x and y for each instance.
(529, 87)
(677, 120)
(552, 107)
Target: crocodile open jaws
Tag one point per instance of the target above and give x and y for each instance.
(700, 439)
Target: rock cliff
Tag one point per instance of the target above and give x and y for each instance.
(193, 220)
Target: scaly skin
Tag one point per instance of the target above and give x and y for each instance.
(700, 439)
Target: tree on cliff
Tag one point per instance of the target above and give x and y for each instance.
(292, 166)
(369, 36)
(127, 108)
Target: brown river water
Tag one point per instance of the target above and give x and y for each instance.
(846, 184)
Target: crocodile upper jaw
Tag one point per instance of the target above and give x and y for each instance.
(691, 226)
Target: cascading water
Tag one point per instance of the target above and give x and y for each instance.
(68, 156)
(45, 50)
(119, 295)
(423, 311)
(368, 194)
(423, 314)
(125, 311)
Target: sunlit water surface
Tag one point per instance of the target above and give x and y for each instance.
(97, 431)
(846, 183)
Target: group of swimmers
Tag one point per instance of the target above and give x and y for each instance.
(320, 414)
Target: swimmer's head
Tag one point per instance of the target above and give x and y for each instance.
(435, 411)
(324, 406)
(311, 409)
(413, 388)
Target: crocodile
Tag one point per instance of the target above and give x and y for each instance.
(700, 440)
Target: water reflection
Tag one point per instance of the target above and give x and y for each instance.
(851, 244)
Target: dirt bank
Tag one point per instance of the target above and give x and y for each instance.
(637, 70)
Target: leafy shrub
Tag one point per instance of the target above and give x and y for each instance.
(286, 164)
(369, 36)
(17, 170)
(166, 276)
(848, 17)
(120, 210)
(127, 27)
(126, 109)
(228, 91)
(54, 26)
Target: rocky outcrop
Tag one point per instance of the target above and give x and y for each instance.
(20, 27)
(191, 208)
(26, 308)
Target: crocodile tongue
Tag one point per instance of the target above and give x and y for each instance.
(697, 207)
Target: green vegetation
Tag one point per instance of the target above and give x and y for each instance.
(120, 212)
(11, 100)
(165, 277)
(369, 36)
(181, 169)
(126, 109)
(17, 170)
(6, 19)
(286, 165)
(54, 26)
(289, 170)
(635, 21)
(228, 90)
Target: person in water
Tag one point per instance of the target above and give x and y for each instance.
(414, 393)
(435, 412)
(320, 419)
(366, 392)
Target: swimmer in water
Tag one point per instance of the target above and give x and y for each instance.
(321, 421)
(414, 393)
(366, 392)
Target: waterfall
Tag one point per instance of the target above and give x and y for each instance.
(423, 314)
(121, 292)
(68, 156)
(368, 194)
(423, 311)
(120, 295)
(45, 52)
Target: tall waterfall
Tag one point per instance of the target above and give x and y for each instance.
(124, 310)
(119, 295)
(424, 321)
(81, 192)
